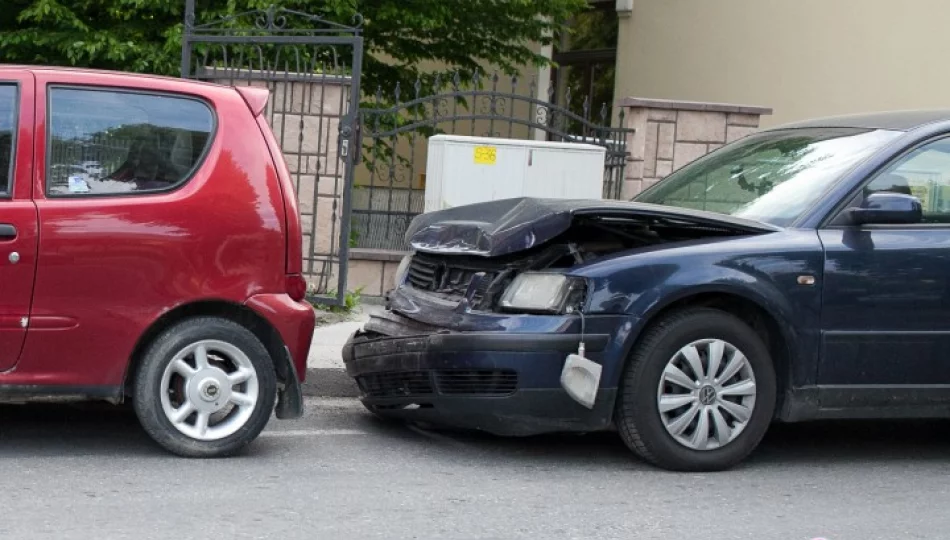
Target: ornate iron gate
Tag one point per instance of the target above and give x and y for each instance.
(389, 190)
(311, 66)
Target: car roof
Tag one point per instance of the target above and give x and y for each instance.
(67, 70)
(892, 120)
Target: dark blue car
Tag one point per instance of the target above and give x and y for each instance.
(800, 273)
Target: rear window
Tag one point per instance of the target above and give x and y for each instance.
(105, 142)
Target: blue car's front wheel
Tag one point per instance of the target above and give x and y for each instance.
(698, 393)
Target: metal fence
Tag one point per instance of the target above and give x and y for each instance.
(395, 128)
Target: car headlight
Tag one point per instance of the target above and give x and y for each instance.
(402, 271)
(535, 292)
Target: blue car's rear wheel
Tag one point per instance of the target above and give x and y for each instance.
(698, 393)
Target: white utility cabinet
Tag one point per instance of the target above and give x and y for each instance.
(464, 170)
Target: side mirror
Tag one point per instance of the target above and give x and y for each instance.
(888, 208)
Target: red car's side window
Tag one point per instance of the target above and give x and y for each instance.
(109, 142)
(8, 114)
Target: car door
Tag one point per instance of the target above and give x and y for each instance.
(18, 217)
(886, 300)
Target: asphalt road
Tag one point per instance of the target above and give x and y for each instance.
(338, 473)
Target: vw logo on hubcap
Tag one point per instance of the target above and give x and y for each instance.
(707, 395)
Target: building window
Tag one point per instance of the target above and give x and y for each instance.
(586, 58)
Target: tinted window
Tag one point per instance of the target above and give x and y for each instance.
(923, 173)
(8, 110)
(773, 176)
(119, 142)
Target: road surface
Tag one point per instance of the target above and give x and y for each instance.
(339, 473)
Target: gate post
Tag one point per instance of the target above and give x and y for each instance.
(185, 38)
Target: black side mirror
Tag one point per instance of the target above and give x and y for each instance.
(887, 208)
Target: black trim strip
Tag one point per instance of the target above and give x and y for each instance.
(41, 392)
(6, 189)
(478, 341)
(290, 397)
(838, 333)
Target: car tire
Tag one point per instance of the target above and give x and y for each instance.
(672, 439)
(172, 377)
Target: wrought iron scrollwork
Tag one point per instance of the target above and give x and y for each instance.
(270, 20)
(273, 19)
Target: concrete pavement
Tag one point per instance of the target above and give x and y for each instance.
(325, 372)
(77, 473)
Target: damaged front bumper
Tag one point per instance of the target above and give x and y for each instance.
(505, 382)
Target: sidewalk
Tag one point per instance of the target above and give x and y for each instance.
(326, 376)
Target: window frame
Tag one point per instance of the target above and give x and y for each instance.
(212, 137)
(837, 218)
(6, 191)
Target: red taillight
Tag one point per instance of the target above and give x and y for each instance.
(296, 287)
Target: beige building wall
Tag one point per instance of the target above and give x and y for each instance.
(803, 58)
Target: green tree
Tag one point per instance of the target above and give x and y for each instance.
(400, 35)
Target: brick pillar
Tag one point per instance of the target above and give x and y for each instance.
(670, 134)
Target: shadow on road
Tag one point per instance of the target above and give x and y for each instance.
(63, 429)
(818, 443)
(68, 430)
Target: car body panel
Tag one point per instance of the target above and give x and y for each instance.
(293, 321)
(886, 307)
(763, 269)
(17, 210)
(112, 266)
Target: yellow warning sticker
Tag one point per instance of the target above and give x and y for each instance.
(485, 155)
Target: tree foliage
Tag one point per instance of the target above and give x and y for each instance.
(402, 37)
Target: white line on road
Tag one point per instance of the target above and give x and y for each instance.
(312, 432)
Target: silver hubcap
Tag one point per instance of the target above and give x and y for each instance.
(706, 394)
(209, 390)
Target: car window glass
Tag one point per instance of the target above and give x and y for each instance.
(112, 142)
(923, 173)
(772, 176)
(8, 109)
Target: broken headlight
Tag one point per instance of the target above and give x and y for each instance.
(537, 292)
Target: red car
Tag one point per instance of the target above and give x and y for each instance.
(150, 251)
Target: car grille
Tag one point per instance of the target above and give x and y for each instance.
(475, 382)
(428, 273)
(500, 382)
(396, 384)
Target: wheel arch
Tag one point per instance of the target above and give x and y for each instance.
(771, 327)
(240, 314)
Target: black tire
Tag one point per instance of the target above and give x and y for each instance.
(147, 387)
(638, 414)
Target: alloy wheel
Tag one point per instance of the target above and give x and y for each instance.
(209, 390)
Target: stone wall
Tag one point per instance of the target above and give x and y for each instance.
(304, 112)
(670, 134)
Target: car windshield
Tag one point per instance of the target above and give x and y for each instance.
(772, 176)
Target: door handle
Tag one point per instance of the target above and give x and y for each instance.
(7, 231)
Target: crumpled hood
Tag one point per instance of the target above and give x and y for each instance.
(506, 226)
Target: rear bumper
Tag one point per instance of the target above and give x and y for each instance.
(294, 322)
(507, 383)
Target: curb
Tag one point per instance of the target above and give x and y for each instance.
(329, 382)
